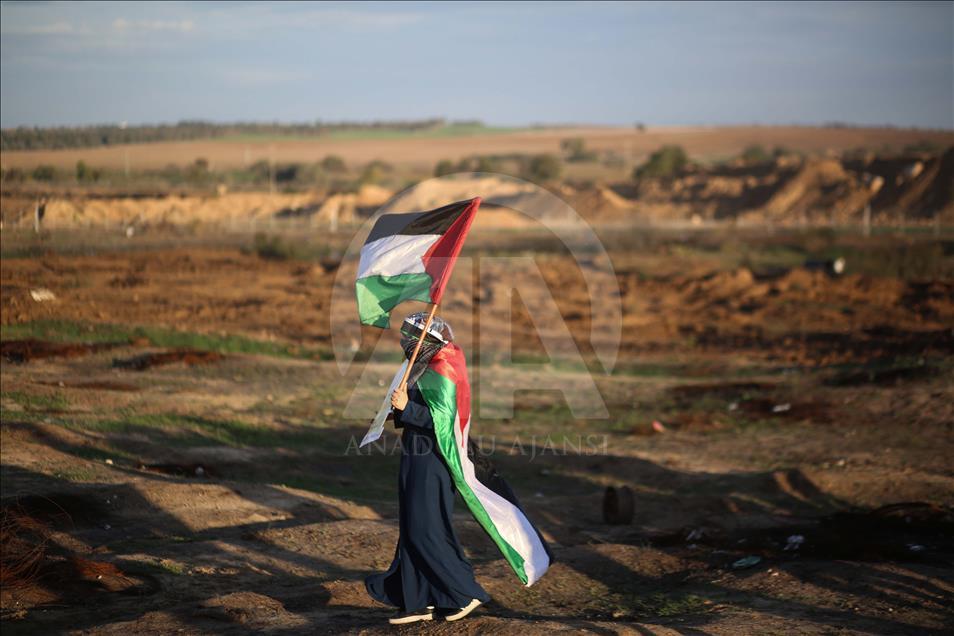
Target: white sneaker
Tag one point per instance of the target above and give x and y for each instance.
(464, 611)
(412, 617)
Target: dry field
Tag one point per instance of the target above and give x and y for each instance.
(150, 490)
(423, 153)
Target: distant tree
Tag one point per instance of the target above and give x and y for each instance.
(572, 146)
(640, 126)
(11, 175)
(25, 138)
(755, 154)
(198, 172)
(544, 167)
(44, 173)
(444, 167)
(665, 162)
(486, 164)
(476, 163)
(259, 171)
(923, 146)
(375, 172)
(333, 163)
(84, 173)
(288, 172)
(574, 149)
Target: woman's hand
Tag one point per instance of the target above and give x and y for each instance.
(399, 398)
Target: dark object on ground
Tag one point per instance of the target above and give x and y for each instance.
(95, 385)
(181, 470)
(902, 532)
(884, 376)
(832, 267)
(25, 350)
(148, 360)
(35, 571)
(618, 505)
(23, 542)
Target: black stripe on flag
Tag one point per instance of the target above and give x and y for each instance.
(434, 222)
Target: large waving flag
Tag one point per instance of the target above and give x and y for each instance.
(446, 390)
(410, 257)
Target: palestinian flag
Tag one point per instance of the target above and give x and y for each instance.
(446, 390)
(410, 257)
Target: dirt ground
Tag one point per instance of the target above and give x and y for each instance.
(802, 420)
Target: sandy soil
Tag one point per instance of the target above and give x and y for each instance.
(791, 404)
(792, 316)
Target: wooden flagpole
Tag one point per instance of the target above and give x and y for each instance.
(417, 348)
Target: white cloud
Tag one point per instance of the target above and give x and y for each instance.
(256, 77)
(251, 19)
(52, 28)
(132, 26)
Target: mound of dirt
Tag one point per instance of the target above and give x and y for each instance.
(931, 190)
(792, 191)
(819, 186)
(69, 212)
(338, 208)
(601, 204)
(437, 192)
(372, 196)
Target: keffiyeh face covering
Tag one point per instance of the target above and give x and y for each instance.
(438, 334)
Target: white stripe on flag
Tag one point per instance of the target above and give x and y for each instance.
(395, 254)
(511, 523)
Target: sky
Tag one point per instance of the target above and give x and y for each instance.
(505, 64)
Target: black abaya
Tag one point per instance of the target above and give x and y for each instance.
(429, 567)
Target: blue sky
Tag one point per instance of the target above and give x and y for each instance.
(510, 64)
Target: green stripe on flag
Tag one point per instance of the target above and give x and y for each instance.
(440, 393)
(378, 295)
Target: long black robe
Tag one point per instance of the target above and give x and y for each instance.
(429, 567)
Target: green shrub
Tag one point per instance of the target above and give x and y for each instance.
(260, 172)
(755, 154)
(444, 167)
(198, 171)
(544, 167)
(333, 163)
(11, 175)
(288, 172)
(272, 247)
(665, 162)
(574, 149)
(44, 173)
(924, 146)
(478, 163)
(84, 173)
(375, 172)
(486, 164)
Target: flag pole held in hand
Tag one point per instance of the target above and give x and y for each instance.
(417, 347)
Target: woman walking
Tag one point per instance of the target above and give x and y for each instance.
(430, 574)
